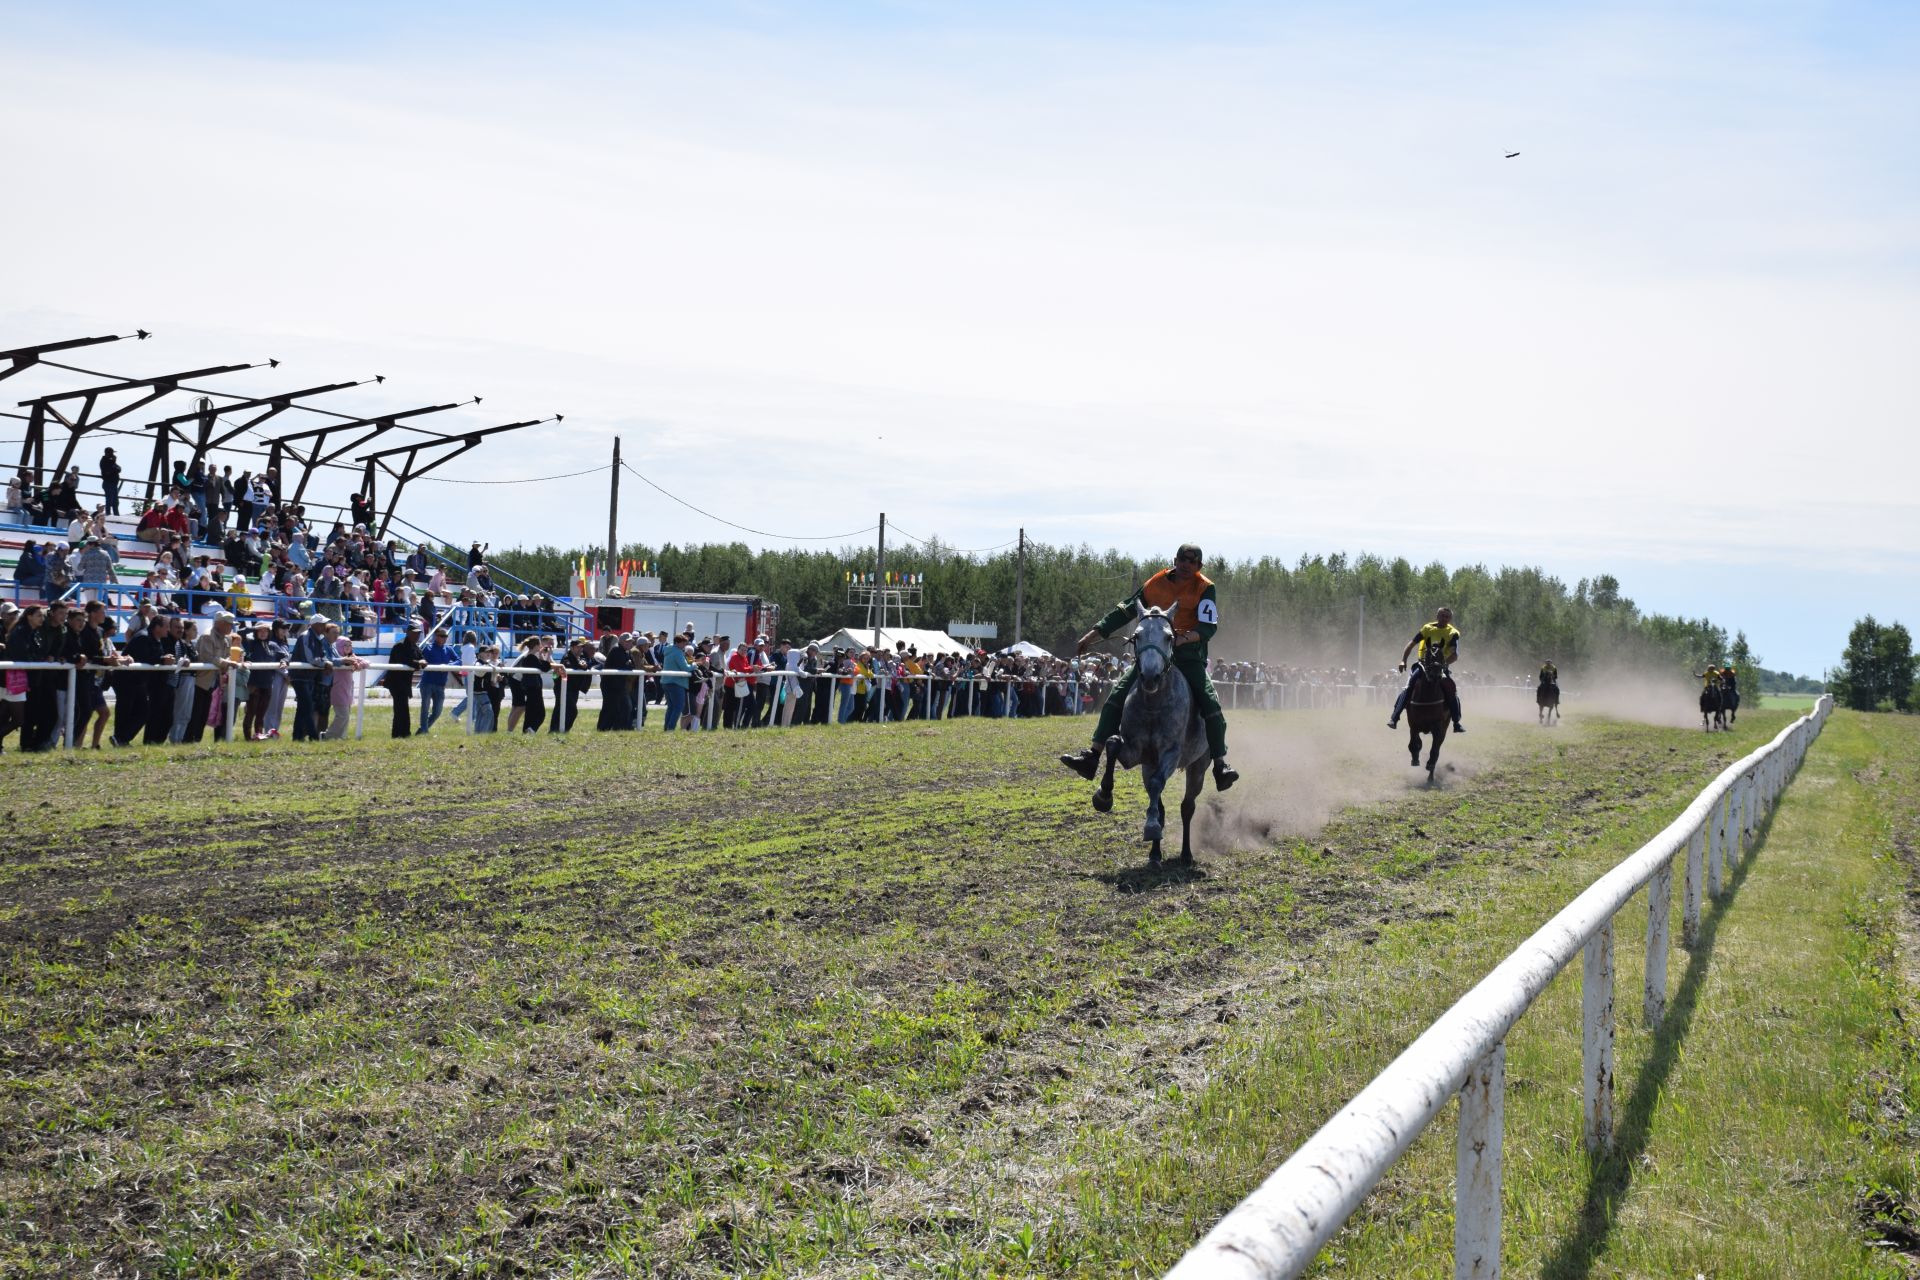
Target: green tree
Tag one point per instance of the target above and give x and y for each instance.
(1746, 667)
(1877, 667)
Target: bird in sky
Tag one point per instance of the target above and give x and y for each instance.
(1512, 154)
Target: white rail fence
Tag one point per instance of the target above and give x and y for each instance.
(1277, 1231)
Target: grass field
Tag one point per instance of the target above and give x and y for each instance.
(895, 1001)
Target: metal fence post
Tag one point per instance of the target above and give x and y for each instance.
(73, 694)
(360, 708)
(1476, 1164)
(1659, 897)
(1596, 1039)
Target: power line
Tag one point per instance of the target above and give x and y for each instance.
(958, 551)
(786, 537)
(605, 466)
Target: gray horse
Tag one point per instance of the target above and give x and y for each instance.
(1160, 731)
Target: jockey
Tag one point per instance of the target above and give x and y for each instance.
(1439, 643)
(1187, 594)
(1549, 674)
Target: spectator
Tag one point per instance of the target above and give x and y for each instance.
(13, 686)
(310, 688)
(433, 684)
(489, 687)
(616, 691)
(95, 563)
(407, 656)
(340, 700)
(214, 651)
(533, 665)
(30, 573)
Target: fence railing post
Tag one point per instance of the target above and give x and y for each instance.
(73, 695)
(1716, 843)
(1659, 903)
(1690, 894)
(1476, 1164)
(1596, 1039)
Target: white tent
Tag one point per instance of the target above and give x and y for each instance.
(1028, 649)
(918, 639)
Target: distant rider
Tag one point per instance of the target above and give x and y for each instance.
(1549, 675)
(1188, 594)
(1439, 643)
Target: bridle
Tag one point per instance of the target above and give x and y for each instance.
(1161, 644)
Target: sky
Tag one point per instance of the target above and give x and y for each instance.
(1256, 276)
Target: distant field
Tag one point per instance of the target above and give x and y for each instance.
(1799, 703)
(875, 1001)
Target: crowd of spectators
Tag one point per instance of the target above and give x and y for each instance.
(278, 560)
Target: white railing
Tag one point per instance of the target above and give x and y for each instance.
(1277, 1231)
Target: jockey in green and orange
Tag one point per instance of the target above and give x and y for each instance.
(1188, 595)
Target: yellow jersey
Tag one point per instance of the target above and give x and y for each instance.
(1439, 642)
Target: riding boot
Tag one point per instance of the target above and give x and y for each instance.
(1399, 707)
(1453, 705)
(1085, 763)
(1224, 774)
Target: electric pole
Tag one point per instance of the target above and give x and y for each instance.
(613, 519)
(879, 584)
(1020, 588)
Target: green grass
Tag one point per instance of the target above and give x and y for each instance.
(886, 1001)
(1798, 703)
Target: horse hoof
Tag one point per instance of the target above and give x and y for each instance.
(1103, 800)
(1153, 857)
(1186, 859)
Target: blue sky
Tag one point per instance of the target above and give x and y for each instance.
(1255, 274)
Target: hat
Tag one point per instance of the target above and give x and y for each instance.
(759, 639)
(413, 627)
(224, 616)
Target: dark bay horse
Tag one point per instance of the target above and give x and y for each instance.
(1730, 698)
(1547, 699)
(1160, 731)
(1427, 713)
(1713, 713)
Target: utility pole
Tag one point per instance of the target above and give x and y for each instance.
(879, 585)
(613, 518)
(1020, 588)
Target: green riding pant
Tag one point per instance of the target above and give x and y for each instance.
(1212, 718)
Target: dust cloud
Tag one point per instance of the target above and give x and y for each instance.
(1299, 768)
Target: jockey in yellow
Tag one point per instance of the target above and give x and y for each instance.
(1188, 595)
(1549, 674)
(1439, 643)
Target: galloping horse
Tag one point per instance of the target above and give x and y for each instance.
(1160, 731)
(1427, 713)
(1547, 699)
(1713, 714)
(1730, 698)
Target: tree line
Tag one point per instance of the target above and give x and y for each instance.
(1311, 612)
(1877, 669)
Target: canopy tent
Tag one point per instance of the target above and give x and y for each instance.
(918, 639)
(1028, 649)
